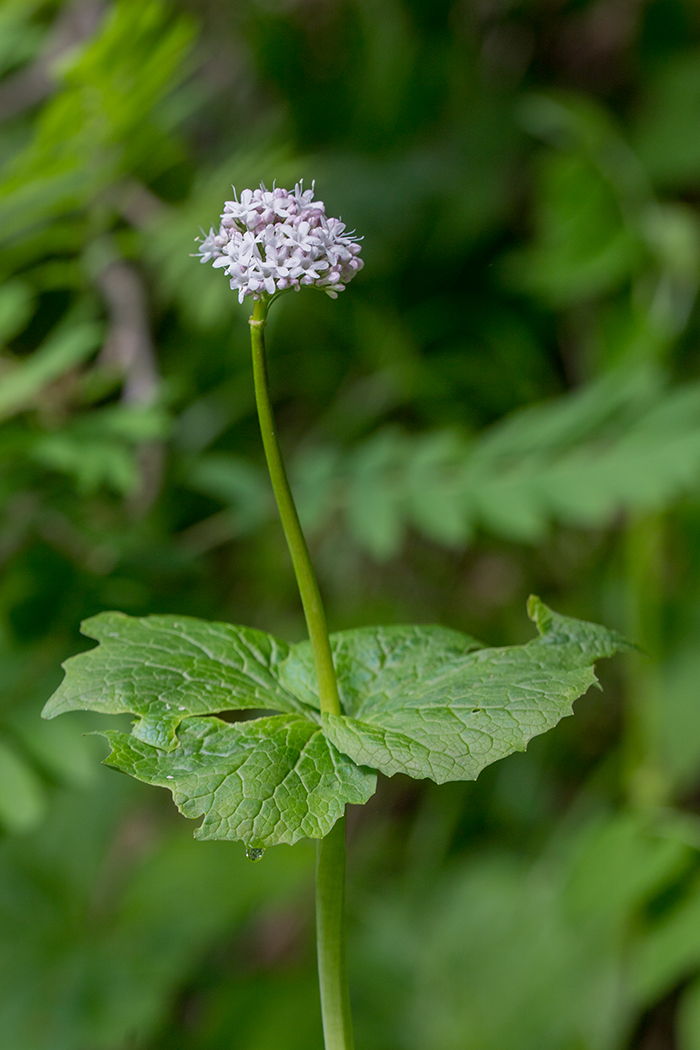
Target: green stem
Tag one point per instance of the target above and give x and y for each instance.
(330, 938)
(330, 868)
(303, 569)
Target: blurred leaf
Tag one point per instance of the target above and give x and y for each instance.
(666, 123)
(622, 444)
(101, 120)
(314, 481)
(620, 861)
(489, 954)
(16, 302)
(673, 230)
(583, 246)
(520, 953)
(266, 1010)
(19, 36)
(92, 909)
(22, 802)
(95, 464)
(135, 423)
(679, 724)
(154, 940)
(589, 189)
(670, 951)
(512, 972)
(97, 449)
(234, 481)
(59, 748)
(435, 499)
(689, 1018)
(374, 501)
(67, 347)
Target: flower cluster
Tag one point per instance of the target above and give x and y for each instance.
(273, 240)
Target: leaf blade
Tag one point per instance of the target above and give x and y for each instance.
(166, 668)
(265, 781)
(373, 660)
(470, 710)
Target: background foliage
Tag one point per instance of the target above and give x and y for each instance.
(507, 400)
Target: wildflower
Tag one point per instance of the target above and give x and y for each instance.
(270, 241)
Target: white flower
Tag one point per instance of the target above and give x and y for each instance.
(273, 240)
(211, 245)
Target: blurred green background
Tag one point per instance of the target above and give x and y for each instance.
(506, 400)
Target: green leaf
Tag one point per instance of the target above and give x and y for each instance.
(426, 701)
(375, 662)
(592, 640)
(417, 704)
(265, 781)
(167, 668)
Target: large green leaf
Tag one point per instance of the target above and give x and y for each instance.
(416, 704)
(167, 668)
(265, 781)
(426, 701)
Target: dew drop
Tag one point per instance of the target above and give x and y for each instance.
(254, 854)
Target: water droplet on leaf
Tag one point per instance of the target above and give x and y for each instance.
(254, 854)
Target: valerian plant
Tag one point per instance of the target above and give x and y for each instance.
(426, 701)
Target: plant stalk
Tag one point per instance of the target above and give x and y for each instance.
(330, 938)
(303, 569)
(330, 867)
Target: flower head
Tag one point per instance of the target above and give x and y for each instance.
(272, 240)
